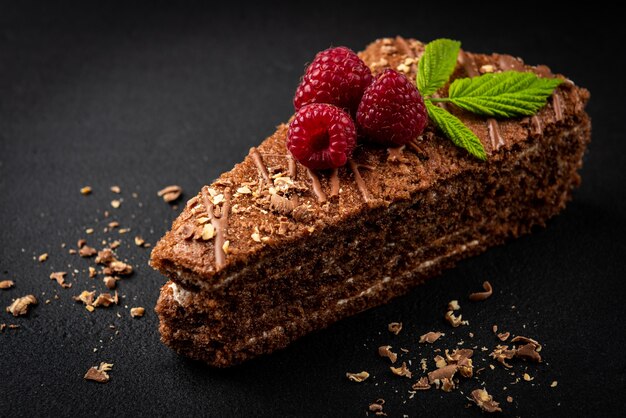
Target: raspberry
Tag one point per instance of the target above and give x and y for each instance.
(336, 76)
(392, 111)
(321, 136)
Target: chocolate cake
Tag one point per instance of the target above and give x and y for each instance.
(272, 251)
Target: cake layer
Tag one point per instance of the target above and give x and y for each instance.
(272, 251)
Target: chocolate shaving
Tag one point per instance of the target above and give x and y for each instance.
(377, 407)
(485, 401)
(421, 384)
(431, 337)
(454, 320)
(358, 377)
(502, 353)
(170, 193)
(503, 336)
(6, 284)
(529, 352)
(59, 276)
(401, 371)
(99, 374)
(446, 372)
(283, 205)
(526, 340)
(476, 297)
(395, 327)
(20, 306)
(385, 351)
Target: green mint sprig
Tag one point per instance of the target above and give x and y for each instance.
(506, 95)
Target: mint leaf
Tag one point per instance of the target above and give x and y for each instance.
(508, 94)
(454, 129)
(436, 65)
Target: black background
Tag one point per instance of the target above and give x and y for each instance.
(153, 94)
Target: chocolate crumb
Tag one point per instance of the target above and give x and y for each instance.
(395, 327)
(85, 190)
(139, 242)
(6, 284)
(527, 377)
(110, 281)
(421, 384)
(20, 306)
(43, 257)
(2, 327)
(13, 326)
(485, 401)
(87, 251)
(401, 371)
(479, 296)
(81, 243)
(137, 312)
(106, 300)
(59, 276)
(99, 374)
(440, 362)
(89, 231)
(554, 384)
(115, 203)
(431, 337)
(85, 297)
(453, 305)
(116, 189)
(92, 272)
(509, 399)
(170, 193)
(358, 377)
(385, 351)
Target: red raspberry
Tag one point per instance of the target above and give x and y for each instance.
(336, 76)
(321, 136)
(392, 110)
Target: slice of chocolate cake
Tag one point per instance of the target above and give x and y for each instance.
(272, 250)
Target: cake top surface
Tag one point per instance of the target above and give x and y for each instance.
(269, 199)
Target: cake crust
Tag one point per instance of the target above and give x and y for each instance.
(272, 251)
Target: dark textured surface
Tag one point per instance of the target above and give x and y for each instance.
(149, 96)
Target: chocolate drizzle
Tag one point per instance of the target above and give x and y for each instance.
(219, 222)
(293, 168)
(468, 63)
(557, 104)
(334, 183)
(260, 166)
(360, 184)
(317, 187)
(494, 134)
